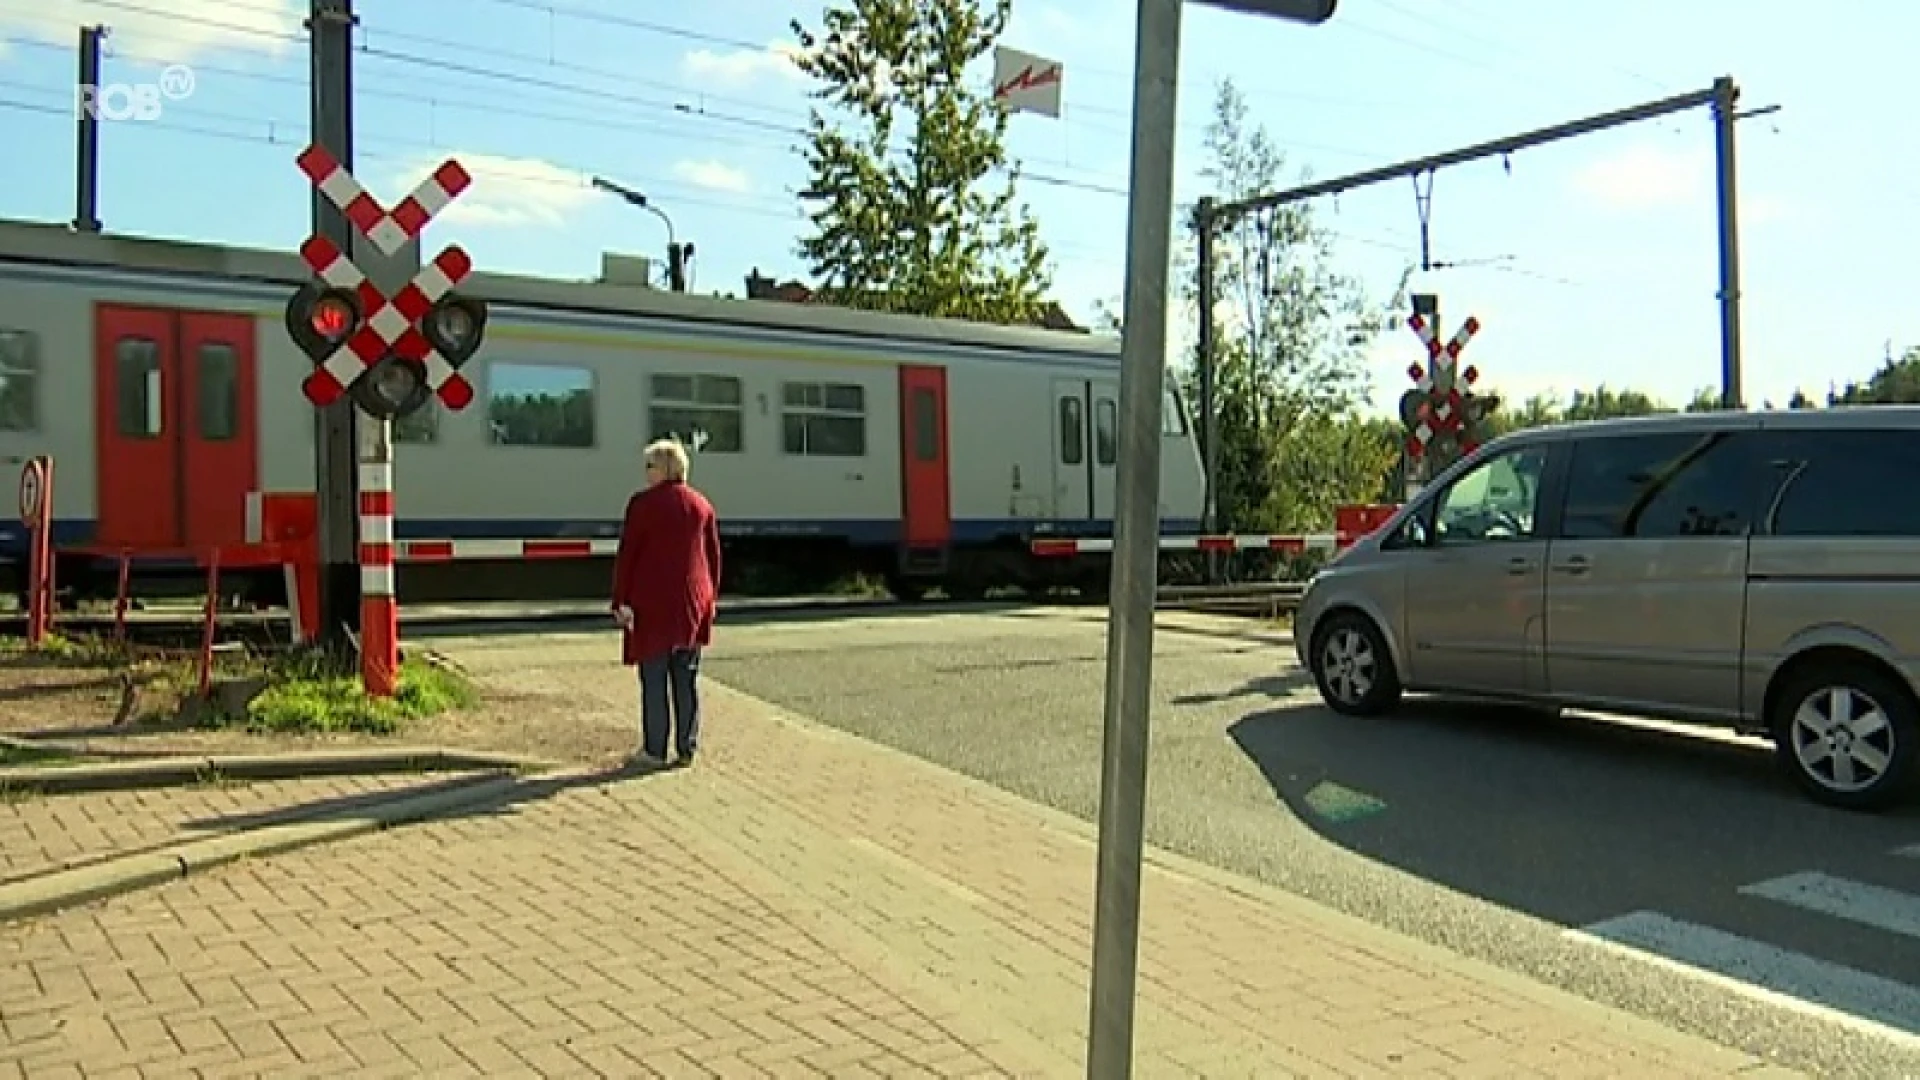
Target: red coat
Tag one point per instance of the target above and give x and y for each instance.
(667, 571)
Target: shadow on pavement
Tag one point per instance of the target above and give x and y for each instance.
(1283, 685)
(524, 790)
(1570, 819)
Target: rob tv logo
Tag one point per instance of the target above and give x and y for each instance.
(133, 101)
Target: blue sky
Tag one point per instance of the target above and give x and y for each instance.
(1591, 260)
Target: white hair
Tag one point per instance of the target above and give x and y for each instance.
(669, 457)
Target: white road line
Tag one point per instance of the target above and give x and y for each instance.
(1911, 851)
(1857, 1000)
(1868, 905)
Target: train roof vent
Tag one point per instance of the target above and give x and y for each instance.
(634, 270)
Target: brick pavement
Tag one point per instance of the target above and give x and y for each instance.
(39, 833)
(802, 903)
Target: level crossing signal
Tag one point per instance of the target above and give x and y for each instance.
(391, 354)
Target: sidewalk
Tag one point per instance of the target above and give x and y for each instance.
(801, 903)
(39, 834)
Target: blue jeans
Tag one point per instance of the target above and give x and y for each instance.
(675, 673)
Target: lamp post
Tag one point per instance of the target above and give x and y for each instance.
(1136, 538)
(676, 253)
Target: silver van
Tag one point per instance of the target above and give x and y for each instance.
(1753, 570)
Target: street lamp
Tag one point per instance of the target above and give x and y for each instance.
(1136, 538)
(676, 253)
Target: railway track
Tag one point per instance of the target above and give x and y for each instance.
(179, 626)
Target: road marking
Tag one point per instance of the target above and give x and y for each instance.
(1341, 804)
(1911, 851)
(1857, 1000)
(1869, 905)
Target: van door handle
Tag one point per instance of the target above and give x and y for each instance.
(1519, 565)
(1576, 564)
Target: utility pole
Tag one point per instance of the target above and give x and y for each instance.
(1209, 391)
(1725, 96)
(336, 430)
(1211, 215)
(1208, 369)
(1419, 469)
(86, 196)
(1136, 522)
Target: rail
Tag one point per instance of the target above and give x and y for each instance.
(1261, 598)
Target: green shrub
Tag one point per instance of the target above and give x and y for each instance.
(306, 697)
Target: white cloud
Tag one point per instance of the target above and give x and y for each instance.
(1644, 177)
(739, 67)
(714, 176)
(506, 192)
(177, 32)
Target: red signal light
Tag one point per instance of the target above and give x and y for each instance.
(332, 318)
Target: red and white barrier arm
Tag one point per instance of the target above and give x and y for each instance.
(1290, 545)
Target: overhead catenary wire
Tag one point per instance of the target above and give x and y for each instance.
(702, 113)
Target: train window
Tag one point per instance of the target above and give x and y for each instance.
(137, 407)
(540, 405)
(218, 381)
(1072, 436)
(1173, 414)
(420, 426)
(19, 380)
(702, 411)
(926, 425)
(1106, 431)
(824, 419)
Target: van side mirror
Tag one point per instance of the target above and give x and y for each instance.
(1412, 533)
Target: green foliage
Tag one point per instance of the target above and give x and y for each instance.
(311, 697)
(1896, 383)
(902, 216)
(1290, 375)
(19, 755)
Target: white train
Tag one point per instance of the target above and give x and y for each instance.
(161, 379)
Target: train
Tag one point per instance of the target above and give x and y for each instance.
(931, 454)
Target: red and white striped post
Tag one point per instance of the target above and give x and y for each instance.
(379, 614)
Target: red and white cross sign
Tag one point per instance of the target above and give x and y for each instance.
(392, 324)
(388, 229)
(1442, 357)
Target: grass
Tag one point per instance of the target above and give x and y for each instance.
(306, 695)
(13, 756)
(293, 693)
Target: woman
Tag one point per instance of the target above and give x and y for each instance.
(666, 585)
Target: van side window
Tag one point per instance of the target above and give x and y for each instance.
(1495, 500)
(1661, 486)
(1842, 483)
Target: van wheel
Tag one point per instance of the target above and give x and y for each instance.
(1352, 667)
(1847, 735)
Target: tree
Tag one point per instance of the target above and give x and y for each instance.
(902, 216)
(1291, 330)
(1896, 383)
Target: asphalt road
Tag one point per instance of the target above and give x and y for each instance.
(1526, 842)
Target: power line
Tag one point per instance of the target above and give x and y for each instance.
(291, 136)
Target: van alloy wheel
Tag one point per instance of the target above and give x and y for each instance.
(1349, 665)
(1352, 667)
(1843, 738)
(1848, 734)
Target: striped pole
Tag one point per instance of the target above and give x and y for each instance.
(379, 615)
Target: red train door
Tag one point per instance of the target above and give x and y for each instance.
(176, 429)
(925, 507)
